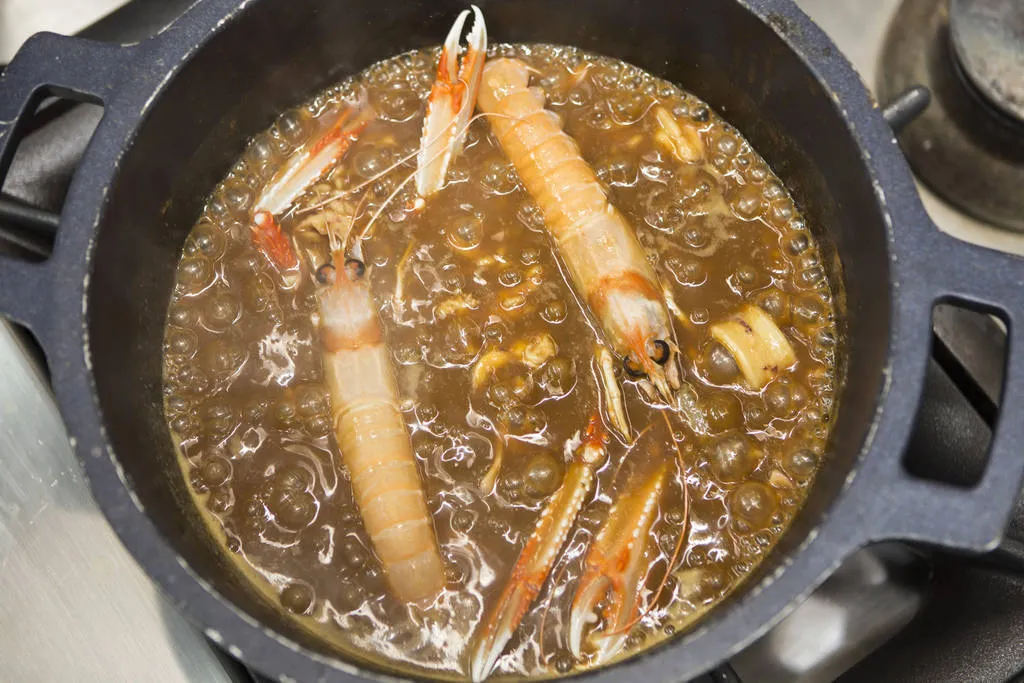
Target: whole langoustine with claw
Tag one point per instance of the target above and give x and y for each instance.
(373, 437)
(606, 263)
(369, 428)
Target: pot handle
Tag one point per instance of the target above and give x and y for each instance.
(47, 65)
(971, 519)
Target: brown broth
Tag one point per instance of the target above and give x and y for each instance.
(248, 410)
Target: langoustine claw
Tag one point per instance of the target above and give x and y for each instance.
(613, 569)
(540, 552)
(270, 241)
(451, 103)
(303, 168)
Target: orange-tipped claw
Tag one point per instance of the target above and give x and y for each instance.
(613, 568)
(451, 103)
(314, 160)
(539, 553)
(270, 241)
(304, 167)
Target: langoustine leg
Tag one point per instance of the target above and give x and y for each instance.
(540, 552)
(607, 265)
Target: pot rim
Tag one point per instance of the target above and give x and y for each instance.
(716, 637)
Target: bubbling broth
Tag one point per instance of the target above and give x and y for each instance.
(500, 370)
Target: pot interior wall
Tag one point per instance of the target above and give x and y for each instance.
(278, 52)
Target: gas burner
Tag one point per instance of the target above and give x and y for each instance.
(988, 39)
(968, 146)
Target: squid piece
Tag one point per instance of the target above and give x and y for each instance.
(614, 572)
(683, 141)
(760, 348)
(533, 351)
(540, 552)
(536, 350)
(451, 103)
(454, 304)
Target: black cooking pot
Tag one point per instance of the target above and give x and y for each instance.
(178, 111)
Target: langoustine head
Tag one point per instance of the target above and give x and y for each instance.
(637, 325)
(348, 319)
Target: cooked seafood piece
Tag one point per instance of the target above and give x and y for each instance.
(614, 571)
(760, 348)
(682, 140)
(372, 435)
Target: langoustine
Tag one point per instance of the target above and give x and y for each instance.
(606, 263)
(368, 426)
(372, 434)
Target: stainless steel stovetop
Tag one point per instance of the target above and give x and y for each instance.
(75, 607)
